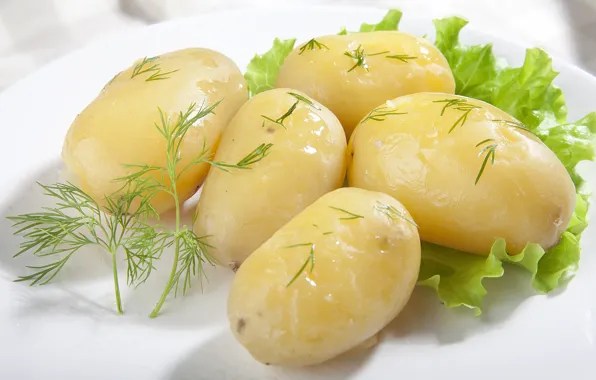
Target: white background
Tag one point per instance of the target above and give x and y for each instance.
(33, 32)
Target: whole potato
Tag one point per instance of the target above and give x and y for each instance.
(119, 126)
(468, 172)
(351, 74)
(327, 281)
(241, 209)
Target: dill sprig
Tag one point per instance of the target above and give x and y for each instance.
(310, 258)
(514, 124)
(401, 57)
(123, 221)
(393, 213)
(381, 113)
(148, 65)
(280, 120)
(360, 56)
(305, 100)
(77, 221)
(350, 215)
(313, 45)
(489, 154)
(460, 105)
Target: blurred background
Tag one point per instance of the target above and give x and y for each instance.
(35, 32)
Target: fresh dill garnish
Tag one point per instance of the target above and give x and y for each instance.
(381, 113)
(280, 120)
(313, 45)
(327, 233)
(401, 57)
(350, 216)
(310, 258)
(461, 105)
(489, 154)
(78, 221)
(305, 100)
(122, 223)
(148, 65)
(359, 56)
(393, 213)
(514, 124)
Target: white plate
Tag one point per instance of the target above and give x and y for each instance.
(68, 330)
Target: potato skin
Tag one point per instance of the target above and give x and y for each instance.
(325, 73)
(118, 127)
(526, 196)
(364, 273)
(242, 209)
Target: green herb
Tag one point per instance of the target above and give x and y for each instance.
(381, 113)
(280, 120)
(327, 233)
(253, 157)
(350, 216)
(313, 44)
(393, 213)
(305, 100)
(78, 221)
(514, 124)
(148, 65)
(122, 223)
(401, 57)
(310, 258)
(489, 154)
(461, 105)
(360, 57)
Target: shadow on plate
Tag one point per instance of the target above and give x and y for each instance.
(85, 286)
(425, 320)
(225, 358)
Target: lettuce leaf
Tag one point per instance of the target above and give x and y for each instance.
(389, 22)
(528, 94)
(572, 143)
(262, 70)
(457, 276)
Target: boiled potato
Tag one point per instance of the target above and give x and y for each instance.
(118, 127)
(327, 281)
(351, 74)
(241, 209)
(434, 152)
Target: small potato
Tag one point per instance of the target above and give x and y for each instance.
(118, 127)
(241, 209)
(327, 281)
(468, 172)
(351, 74)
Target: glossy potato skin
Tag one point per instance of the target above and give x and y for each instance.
(118, 127)
(325, 74)
(242, 209)
(526, 196)
(364, 273)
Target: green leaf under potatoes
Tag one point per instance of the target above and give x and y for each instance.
(457, 277)
(528, 94)
(262, 70)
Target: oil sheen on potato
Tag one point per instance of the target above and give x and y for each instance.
(118, 127)
(241, 209)
(327, 281)
(434, 153)
(351, 74)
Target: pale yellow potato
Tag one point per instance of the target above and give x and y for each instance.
(366, 262)
(242, 209)
(118, 127)
(323, 71)
(525, 196)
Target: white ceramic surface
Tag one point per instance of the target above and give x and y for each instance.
(69, 330)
